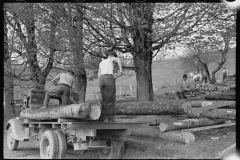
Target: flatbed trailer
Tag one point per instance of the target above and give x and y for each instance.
(54, 136)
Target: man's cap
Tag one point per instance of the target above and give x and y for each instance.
(185, 76)
(112, 54)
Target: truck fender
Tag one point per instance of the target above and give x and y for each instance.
(18, 131)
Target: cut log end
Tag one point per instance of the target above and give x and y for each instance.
(188, 137)
(187, 107)
(162, 126)
(95, 112)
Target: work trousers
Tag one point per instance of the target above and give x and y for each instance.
(108, 92)
(181, 95)
(61, 89)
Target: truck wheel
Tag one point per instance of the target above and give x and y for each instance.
(49, 145)
(11, 143)
(116, 152)
(62, 144)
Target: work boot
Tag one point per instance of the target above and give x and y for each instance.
(103, 118)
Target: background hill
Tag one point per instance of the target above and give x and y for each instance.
(168, 70)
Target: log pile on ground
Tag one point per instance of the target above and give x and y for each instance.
(215, 108)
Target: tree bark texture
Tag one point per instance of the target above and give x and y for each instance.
(8, 76)
(142, 20)
(188, 123)
(216, 114)
(230, 96)
(84, 110)
(157, 107)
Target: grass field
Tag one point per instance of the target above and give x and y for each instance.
(168, 70)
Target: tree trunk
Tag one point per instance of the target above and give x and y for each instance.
(142, 17)
(81, 85)
(216, 114)
(78, 55)
(188, 123)
(8, 77)
(144, 79)
(207, 72)
(157, 107)
(229, 96)
(83, 111)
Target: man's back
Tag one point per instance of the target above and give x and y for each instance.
(64, 78)
(106, 66)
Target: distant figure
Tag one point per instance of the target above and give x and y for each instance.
(225, 73)
(197, 77)
(190, 75)
(182, 88)
(65, 82)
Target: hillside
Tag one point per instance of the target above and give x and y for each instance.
(166, 70)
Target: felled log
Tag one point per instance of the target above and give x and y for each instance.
(224, 104)
(188, 123)
(226, 151)
(84, 110)
(216, 114)
(230, 96)
(153, 132)
(157, 107)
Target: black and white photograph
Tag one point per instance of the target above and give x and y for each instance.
(120, 80)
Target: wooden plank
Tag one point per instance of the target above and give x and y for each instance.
(208, 127)
(225, 151)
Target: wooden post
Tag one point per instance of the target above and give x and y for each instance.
(130, 89)
(120, 91)
(154, 87)
(176, 81)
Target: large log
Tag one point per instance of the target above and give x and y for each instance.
(225, 104)
(157, 107)
(153, 132)
(188, 123)
(84, 110)
(216, 114)
(230, 96)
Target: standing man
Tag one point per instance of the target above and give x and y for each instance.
(107, 85)
(181, 88)
(225, 73)
(63, 83)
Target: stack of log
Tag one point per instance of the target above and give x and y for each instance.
(196, 115)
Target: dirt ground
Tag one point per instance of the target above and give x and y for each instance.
(145, 147)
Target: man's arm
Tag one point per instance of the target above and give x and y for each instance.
(55, 79)
(99, 71)
(118, 60)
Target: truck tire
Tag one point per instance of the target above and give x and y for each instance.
(49, 145)
(62, 144)
(11, 143)
(116, 152)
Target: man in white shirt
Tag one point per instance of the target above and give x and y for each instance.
(107, 85)
(182, 88)
(63, 83)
